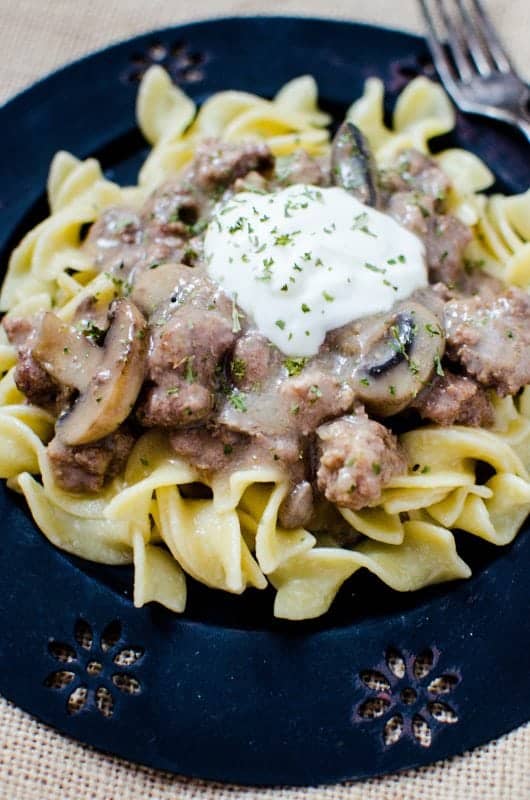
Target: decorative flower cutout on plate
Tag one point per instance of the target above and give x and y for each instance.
(407, 697)
(184, 64)
(89, 670)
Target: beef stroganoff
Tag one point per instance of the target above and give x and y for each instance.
(279, 358)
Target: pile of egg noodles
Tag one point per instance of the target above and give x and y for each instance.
(232, 541)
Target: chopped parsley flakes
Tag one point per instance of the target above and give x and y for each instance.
(190, 375)
(237, 226)
(284, 239)
(91, 331)
(238, 368)
(315, 393)
(438, 366)
(294, 366)
(237, 400)
(373, 268)
(432, 330)
(359, 224)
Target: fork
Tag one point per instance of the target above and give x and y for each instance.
(475, 68)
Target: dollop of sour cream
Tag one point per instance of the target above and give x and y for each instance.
(305, 260)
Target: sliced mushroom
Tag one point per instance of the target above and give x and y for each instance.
(353, 165)
(65, 353)
(92, 312)
(400, 360)
(297, 508)
(108, 397)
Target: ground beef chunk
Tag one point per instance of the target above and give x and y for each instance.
(171, 220)
(117, 226)
(18, 330)
(253, 182)
(218, 164)
(346, 340)
(454, 399)
(284, 450)
(297, 508)
(490, 338)
(115, 239)
(314, 396)
(444, 236)
(432, 297)
(357, 457)
(414, 193)
(30, 378)
(412, 210)
(208, 450)
(87, 467)
(417, 172)
(124, 242)
(252, 361)
(172, 208)
(177, 405)
(474, 282)
(301, 168)
(183, 356)
(446, 241)
(218, 448)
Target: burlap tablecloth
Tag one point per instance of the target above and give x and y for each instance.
(35, 762)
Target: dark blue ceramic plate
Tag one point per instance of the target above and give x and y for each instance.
(225, 691)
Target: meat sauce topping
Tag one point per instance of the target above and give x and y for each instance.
(173, 351)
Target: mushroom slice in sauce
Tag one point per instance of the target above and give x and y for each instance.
(353, 166)
(400, 360)
(297, 508)
(65, 353)
(106, 401)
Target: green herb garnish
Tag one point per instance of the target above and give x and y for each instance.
(237, 401)
(190, 375)
(438, 366)
(294, 366)
(238, 368)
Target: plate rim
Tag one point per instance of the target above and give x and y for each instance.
(236, 633)
(98, 51)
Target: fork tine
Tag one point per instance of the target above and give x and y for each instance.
(497, 53)
(478, 52)
(455, 44)
(440, 58)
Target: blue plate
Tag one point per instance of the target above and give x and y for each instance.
(383, 682)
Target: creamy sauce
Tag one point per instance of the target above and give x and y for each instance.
(303, 261)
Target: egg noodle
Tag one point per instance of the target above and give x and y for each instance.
(232, 541)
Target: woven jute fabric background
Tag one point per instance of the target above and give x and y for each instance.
(36, 763)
